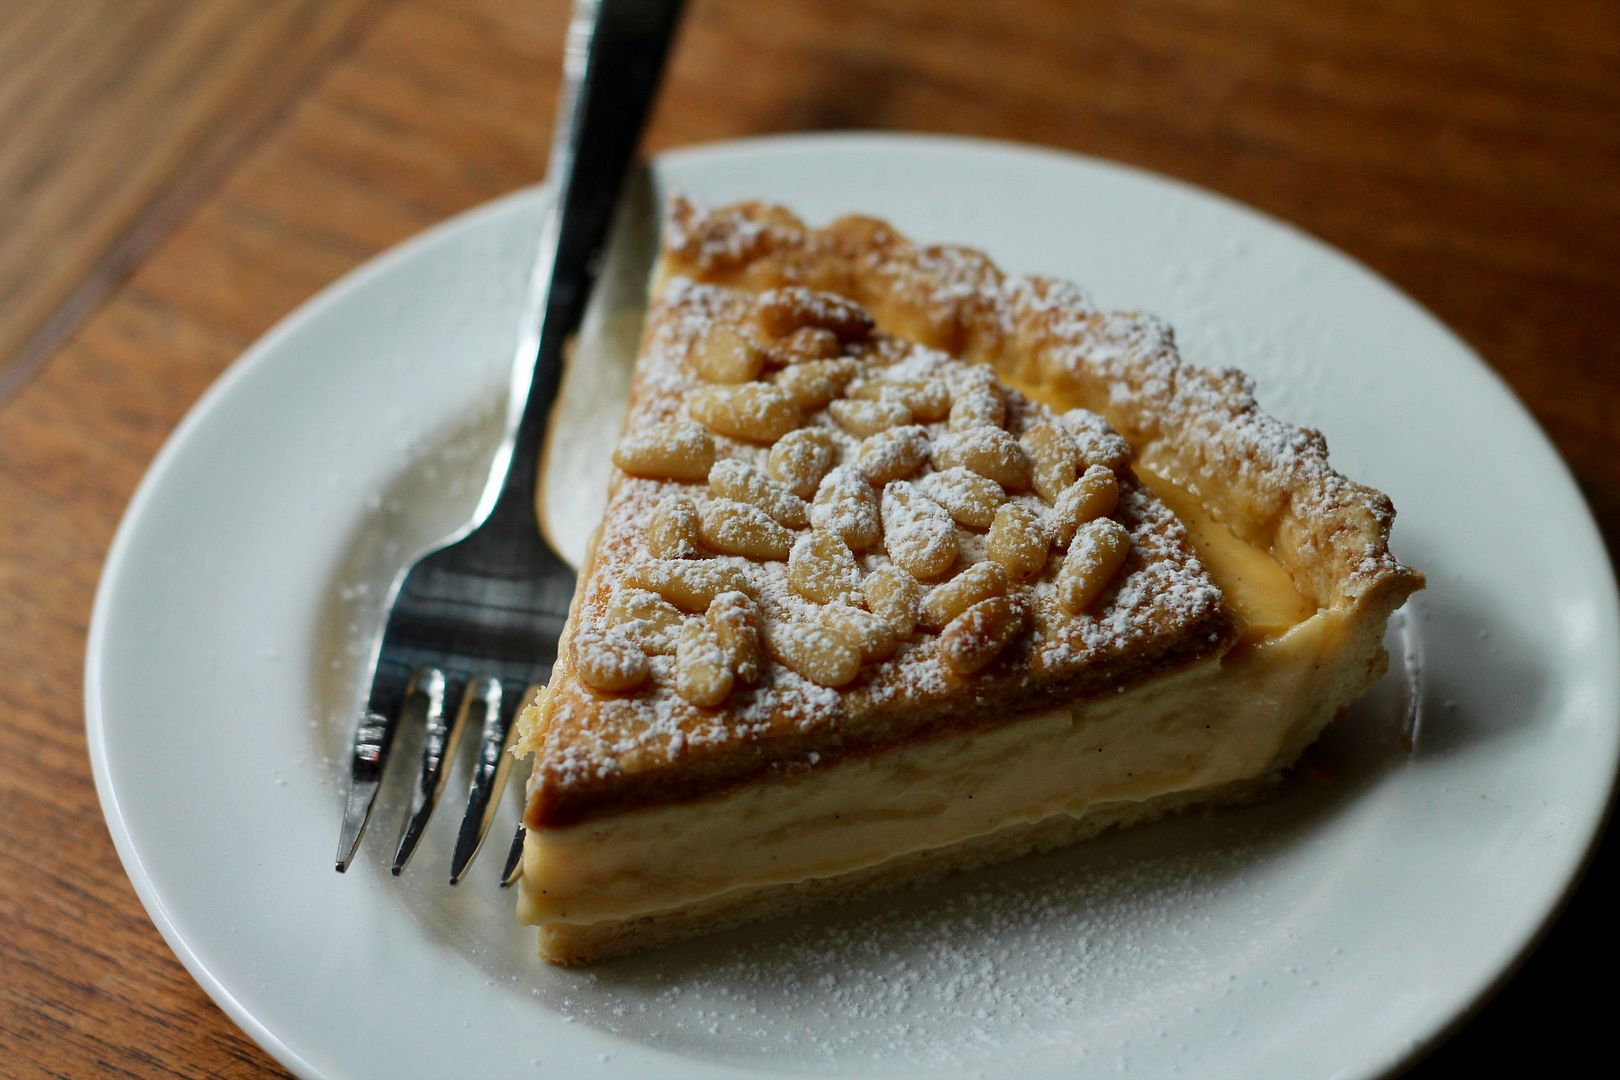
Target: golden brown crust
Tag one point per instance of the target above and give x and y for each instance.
(601, 752)
(1269, 482)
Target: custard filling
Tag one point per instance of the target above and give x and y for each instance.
(1226, 718)
(1260, 592)
(1231, 717)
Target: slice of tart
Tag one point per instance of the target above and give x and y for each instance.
(909, 566)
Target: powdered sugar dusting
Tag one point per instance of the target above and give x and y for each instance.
(1126, 362)
(1067, 959)
(592, 740)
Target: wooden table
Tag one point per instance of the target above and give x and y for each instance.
(175, 176)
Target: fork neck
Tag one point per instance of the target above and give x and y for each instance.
(614, 57)
(515, 500)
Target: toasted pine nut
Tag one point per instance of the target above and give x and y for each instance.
(981, 633)
(690, 585)
(862, 418)
(1053, 459)
(723, 354)
(1097, 443)
(945, 602)
(971, 499)
(742, 482)
(779, 312)
(754, 412)
(672, 531)
(1019, 541)
(676, 450)
(988, 451)
(917, 532)
(1092, 496)
(702, 675)
(805, 343)
(893, 454)
(813, 383)
(982, 405)
(875, 637)
(801, 458)
(846, 505)
(735, 528)
(894, 596)
(734, 619)
(819, 653)
(926, 399)
(646, 618)
(1095, 556)
(821, 568)
(609, 660)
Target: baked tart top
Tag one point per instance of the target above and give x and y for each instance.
(836, 526)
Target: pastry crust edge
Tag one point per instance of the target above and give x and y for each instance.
(1266, 480)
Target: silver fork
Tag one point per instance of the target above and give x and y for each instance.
(475, 618)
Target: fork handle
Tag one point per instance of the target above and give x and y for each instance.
(614, 57)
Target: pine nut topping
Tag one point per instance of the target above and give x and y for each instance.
(609, 660)
(862, 418)
(821, 568)
(926, 400)
(1095, 556)
(801, 458)
(917, 532)
(1019, 542)
(734, 619)
(702, 674)
(846, 505)
(876, 638)
(1097, 443)
(1092, 496)
(646, 618)
(880, 493)
(1054, 460)
(988, 451)
(677, 450)
(971, 499)
(690, 585)
(805, 343)
(983, 632)
(779, 312)
(894, 596)
(813, 383)
(753, 412)
(979, 406)
(945, 602)
(735, 528)
(722, 354)
(819, 653)
(893, 454)
(672, 531)
(742, 482)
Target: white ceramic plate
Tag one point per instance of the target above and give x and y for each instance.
(1333, 931)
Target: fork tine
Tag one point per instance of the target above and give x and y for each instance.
(514, 858)
(512, 869)
(489, 775)
(439, 741)
(373, 740)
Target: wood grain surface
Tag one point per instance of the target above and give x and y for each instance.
(175, 176)
(117, 117)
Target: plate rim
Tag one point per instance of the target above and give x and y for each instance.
(1593, 821)
(113, 567)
